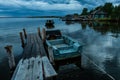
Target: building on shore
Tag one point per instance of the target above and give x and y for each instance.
(98, 14)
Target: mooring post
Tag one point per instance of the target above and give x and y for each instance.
(25, 34)
(11, 59)
(43, 35)
(39, 33)
(22, 39)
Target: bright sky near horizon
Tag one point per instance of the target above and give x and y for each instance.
(47, 7)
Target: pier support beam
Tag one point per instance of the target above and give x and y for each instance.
(39, 33)
(43, 35)
(11, 59)
(22, 39)
(25, 34)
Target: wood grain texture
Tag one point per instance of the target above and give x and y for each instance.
(48, 69)
(34, 63)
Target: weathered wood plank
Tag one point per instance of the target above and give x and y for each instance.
(35, 47)
(48, 69)
(22, 71)
(34, 63)
(50, 54)
(29, 71)
(38, 50)
(41, 47)
(27, 48)
(39, 32)
(27, 51)
(32, 38)
(16, 70)
(28, 40)
(37, 69)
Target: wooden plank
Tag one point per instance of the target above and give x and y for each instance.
(35, 48)
(37, 69)
(36, 43)
(41, 46)
(30, 46)
(27, 51)
(32, 53)
(50, 53)
(32, 67)
(48, 68)
(42, 50)
(27, 48)
(39, 32)
(29, 71)
(28, 40)
(22, 71)
(16, 70)
(32, 38)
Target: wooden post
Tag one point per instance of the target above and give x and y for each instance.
(25, 34)
(22, 40)
(11, 58)
(39, 33)
(43, 35)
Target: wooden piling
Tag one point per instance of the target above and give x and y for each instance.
(22, 39)
(11, 59)
(25, 34)
(39, 33)
(43, 35)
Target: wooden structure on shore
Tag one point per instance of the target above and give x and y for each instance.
(34, 64)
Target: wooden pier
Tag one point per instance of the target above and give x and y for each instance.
(34, 64)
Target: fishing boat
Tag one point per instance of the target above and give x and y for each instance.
(49, 24)
(62, 49)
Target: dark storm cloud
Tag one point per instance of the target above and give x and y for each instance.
(41, 7)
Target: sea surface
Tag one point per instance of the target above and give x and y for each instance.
(101, 41)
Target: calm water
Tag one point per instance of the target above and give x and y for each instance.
(101, 41)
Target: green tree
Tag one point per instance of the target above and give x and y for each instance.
(108, 7)
(116, 12)
(84, 11)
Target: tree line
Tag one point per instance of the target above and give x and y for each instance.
(112, 11)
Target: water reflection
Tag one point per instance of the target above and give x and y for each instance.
(101, 40)
(102, 27)
(102, 44)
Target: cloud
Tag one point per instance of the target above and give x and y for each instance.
(54, 4)
(42, 4)
(59, 7)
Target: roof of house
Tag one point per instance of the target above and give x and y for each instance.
(98, 12)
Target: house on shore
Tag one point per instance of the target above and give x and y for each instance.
(75, 18)
(98, 14)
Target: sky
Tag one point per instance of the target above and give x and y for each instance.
(47, 7)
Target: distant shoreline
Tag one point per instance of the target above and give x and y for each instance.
(35, 17)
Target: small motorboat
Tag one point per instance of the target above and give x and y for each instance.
(62, 49)
(49, 24)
